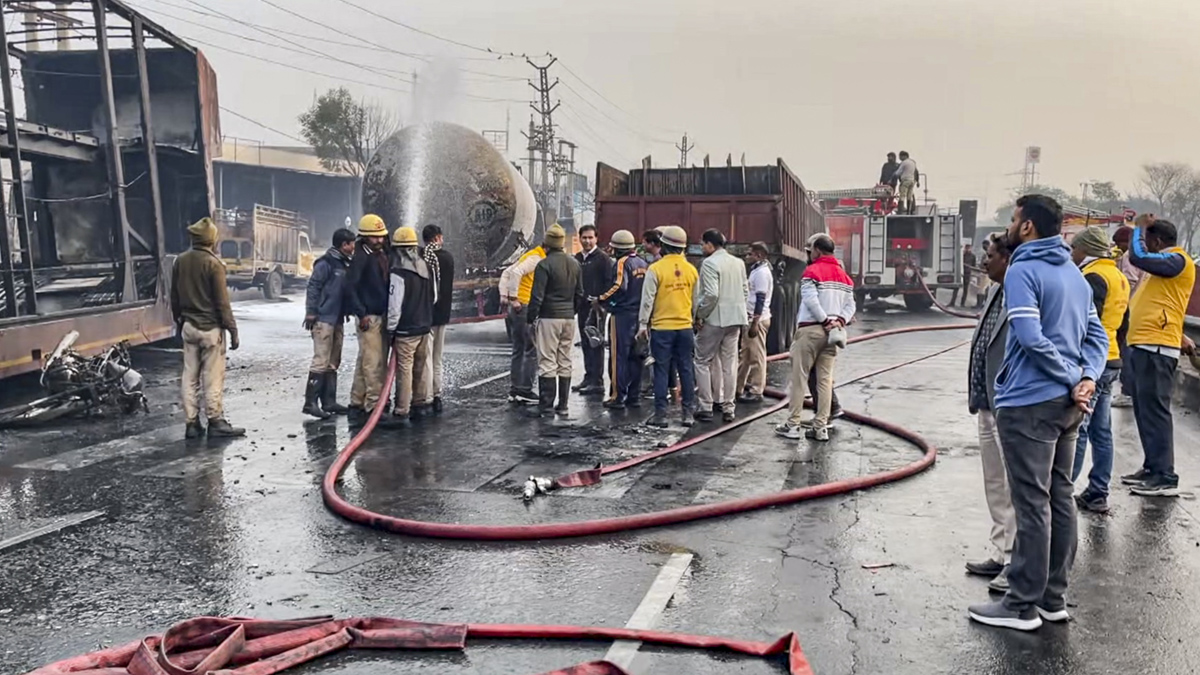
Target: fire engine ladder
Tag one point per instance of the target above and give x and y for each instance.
(947, 248)
(876, 244)
(877, 192)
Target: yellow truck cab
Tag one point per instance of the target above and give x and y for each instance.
(265, 248)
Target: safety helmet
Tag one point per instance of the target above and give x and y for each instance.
(622, 239)
(371, 225)
(674, 235)
(821, 237)
(404, 236)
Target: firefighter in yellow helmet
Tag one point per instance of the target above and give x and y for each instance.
(367, 301)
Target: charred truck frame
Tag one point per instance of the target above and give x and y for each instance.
(109, 162)
(745, 203)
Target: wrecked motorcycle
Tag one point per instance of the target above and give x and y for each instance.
(79, 385)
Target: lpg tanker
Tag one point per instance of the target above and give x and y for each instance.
(448, 175)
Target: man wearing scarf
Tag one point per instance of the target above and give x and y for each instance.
(441, 267)
(200, 306)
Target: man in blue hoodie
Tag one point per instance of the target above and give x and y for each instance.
(1055, 351)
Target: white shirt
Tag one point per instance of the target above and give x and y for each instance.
(907, 170)
(761, 281)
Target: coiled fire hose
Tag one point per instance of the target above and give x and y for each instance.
(240, 646)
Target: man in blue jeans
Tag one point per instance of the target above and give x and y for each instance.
(1091, 251)
(667, 316)
(1054, 354)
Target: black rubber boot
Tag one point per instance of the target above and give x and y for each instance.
(329, 395)
(312, 394)
(220, 428)
(564, 393)
(437, 405)
(193, 430)
(546, 392)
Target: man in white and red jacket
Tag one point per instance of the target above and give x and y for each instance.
(827, 303)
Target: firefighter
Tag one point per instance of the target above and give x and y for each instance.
(557, 291)
(623, 300)
(516, 286)
(200, 306)
(666, 317)
(367, 301)
(323, 319)
(411, 298)
(441, 266)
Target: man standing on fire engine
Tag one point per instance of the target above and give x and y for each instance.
(910, 179)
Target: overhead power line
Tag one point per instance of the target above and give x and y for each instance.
(616, 121)
(256, 57)
(264, 126)
(486, 50)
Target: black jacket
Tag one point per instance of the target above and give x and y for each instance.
(887, 175)
(327, 288)
(597, 272)
(367, 282)
(445, 291)
(557, 287)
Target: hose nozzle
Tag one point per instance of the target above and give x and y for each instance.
(537, 486)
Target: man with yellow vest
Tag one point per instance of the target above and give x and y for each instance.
(1090, 250)
(667, 316)
(1156, 342)
(516, 287)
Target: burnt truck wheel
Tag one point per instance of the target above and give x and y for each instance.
(273, 288)
(918, 302)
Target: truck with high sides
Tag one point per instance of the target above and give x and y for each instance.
(265, 248)
(745, 203)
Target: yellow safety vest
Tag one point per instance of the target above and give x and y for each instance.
(673, 301)
(525, 290)
(1159, 304)
(1116, 301)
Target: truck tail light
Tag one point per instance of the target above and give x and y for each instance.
(872, 281)
(945, 278)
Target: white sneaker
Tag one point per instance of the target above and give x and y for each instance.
(789, 431)
(1054, 617)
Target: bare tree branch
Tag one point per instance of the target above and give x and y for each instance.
(1161, 179)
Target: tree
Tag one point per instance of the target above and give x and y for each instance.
(1183, 207)
(345, 132)
(1162, 179)
(1104, 196)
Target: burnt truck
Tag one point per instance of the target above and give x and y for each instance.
(746, 203)
(887, 253)
(108, 148)
(265, 248)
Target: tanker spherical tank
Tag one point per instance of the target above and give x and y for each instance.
(448, 175)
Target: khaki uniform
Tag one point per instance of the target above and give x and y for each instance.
(810, 349)
(203, 361)
(752, 368)
(555, 337)
(327, 347)
(371, 368)
(412, 376)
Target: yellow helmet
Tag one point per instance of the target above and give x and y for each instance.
(371, 225)
(622, 239)
(404, 236)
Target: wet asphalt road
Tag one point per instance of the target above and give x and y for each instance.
(170, 530)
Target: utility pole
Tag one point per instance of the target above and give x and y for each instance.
(684, 148)
(541, 139)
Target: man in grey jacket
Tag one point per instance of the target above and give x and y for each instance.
(987, 355)
(720, 302)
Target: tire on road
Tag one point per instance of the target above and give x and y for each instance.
(273, 288)
(918, 302)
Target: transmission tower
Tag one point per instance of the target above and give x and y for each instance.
(541, 137)
(684, 148)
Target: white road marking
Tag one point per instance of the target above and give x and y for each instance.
(485, 380)
(63, 523)
(651, 608)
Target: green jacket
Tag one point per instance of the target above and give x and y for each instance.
(198, 292)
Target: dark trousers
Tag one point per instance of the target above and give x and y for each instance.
(1038, 442)
(674, 349)
(524, 353)
(593, 357)
(966, 288)
(625, 368)
(1127, 385)
(1153, 385)
(812, 388)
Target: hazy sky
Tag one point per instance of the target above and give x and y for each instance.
(828, 85)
